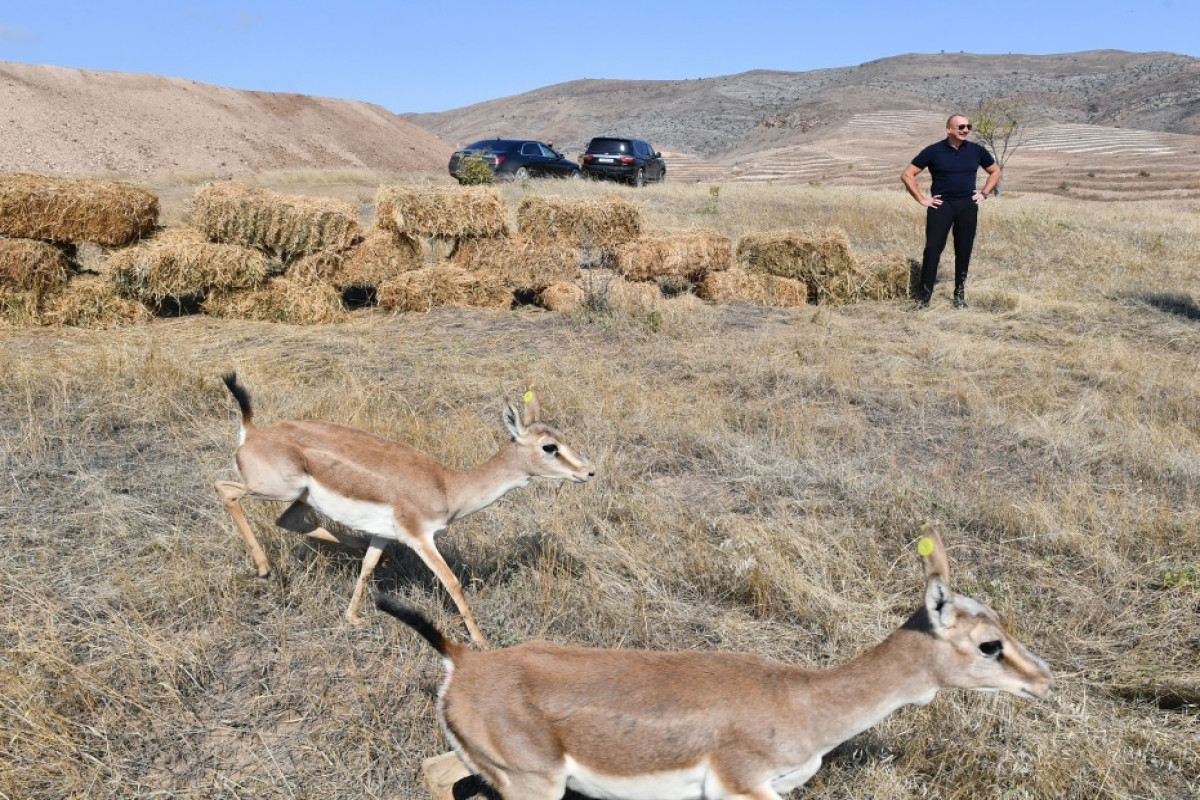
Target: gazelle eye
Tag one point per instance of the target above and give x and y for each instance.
(550, 448)
(992, 648)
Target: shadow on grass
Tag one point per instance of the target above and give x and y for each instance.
(1179, 304)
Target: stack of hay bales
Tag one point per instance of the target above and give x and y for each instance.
(588, 231)
(180, 264)
(42, 219)
(822, 261)
(441, 220)
(254, 254)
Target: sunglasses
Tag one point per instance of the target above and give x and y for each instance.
(964, 127)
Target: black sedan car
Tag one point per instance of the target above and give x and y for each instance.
(624, 159)
(517, 159)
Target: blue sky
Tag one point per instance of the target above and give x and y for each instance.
(434, 56)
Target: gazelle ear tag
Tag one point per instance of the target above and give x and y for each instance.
(924, 546)
(528, 396)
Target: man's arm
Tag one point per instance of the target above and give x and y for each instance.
(909, 179)
(993, 177)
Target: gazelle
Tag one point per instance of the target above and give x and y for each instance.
(388, 491)
(539, 718)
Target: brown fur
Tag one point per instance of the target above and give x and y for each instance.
(517, 715)
(313, 463)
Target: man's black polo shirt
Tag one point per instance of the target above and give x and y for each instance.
(953, 171)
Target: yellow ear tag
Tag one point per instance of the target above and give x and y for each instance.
(528, 396)
(924, 546)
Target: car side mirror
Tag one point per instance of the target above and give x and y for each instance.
(657, 154)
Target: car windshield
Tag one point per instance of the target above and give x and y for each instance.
(609, 146)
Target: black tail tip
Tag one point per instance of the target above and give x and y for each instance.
(415, 620)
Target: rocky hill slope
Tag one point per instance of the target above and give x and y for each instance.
(736, 113)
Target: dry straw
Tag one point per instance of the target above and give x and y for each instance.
(739, 285)
(790, 254)
(29, 265)
(689, 254)
(607, 290)
(92, 301)
(296, 301)
(110, 213)
(286, 226)
(593, 222)
(380, 255)
(519, 262)
(561, 297)
(460, 212)
(181, 262)
(442, 284)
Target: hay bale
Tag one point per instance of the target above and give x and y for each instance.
(286, 226)
(91, 300)
(296, 301)
(689, 254)
(29, 265)
(379, 255)
(442, 284)
(459, 212)
(739, 285)
(19, 309)
(561, 297)
(181, 262)
(875, 277)
(111, 213)
(804, 257)
(592, 222)
(605, 290)
(519, 262)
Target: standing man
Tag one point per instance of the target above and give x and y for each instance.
(953, 204)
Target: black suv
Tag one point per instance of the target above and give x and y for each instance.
(622, 159)
(517, 159)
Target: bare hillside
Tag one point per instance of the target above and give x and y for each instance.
(61, 121)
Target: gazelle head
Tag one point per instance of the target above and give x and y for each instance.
(973, 651)
(542, 449)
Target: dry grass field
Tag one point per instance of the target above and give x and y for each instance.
(762, 476)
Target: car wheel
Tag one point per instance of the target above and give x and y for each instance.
(521, 174)
(574, 175)
(639, 178)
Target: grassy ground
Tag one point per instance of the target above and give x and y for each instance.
(762, 476)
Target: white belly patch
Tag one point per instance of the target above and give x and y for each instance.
(375, 519)
(690, 783)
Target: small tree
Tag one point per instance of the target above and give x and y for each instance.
(1000, 124)
(474, 169)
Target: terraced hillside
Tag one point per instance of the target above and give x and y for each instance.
(870, 149)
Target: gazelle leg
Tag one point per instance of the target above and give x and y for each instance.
(231, 493)
(369, 562)
(428, 552)
(344, 539)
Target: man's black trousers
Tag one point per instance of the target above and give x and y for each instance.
(960, 216)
